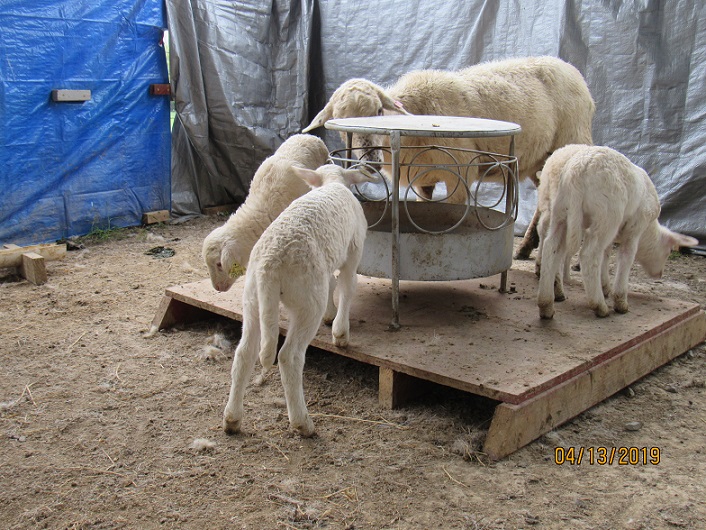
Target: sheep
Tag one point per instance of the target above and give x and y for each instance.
(226, 250)
(591, 197)
(319, 233)
(546, 96)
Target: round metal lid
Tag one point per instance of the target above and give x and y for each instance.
(424, 125)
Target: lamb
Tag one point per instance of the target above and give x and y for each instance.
(591, 197)
(226, 249)
(547, 97)
(318, 233)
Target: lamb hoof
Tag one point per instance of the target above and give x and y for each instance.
(559, 297)
(341, 342)
(546, 313)
(307, 430)
(231, 426)
(523, 254)
(621, 307)
(328, 320)
(601, 311)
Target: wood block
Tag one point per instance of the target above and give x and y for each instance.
(395, 388)
(158, 216)
(11, 255)
(33, 268)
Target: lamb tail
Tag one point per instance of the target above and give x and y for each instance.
(268, 293)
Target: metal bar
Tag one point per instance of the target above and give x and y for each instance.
(509, 207)
(395, 213)
(349, 150)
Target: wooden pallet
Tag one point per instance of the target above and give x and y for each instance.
(468, 336)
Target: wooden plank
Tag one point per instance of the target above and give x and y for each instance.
(395, 388)
(172, 311)
(468, 336)
(33, 268)
(157, 216)
(11, 255)
(514, 426)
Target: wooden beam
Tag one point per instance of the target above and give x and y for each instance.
(224, 208)
(158, 216)
(396, 388)
(11, 255)
(33, 268)
(515, 426)
(172, 311)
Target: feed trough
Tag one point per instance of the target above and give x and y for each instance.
(470, 250)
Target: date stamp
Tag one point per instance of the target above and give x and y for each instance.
(607, 456)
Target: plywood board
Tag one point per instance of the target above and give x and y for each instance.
(467, 335)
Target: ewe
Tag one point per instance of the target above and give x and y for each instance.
(547, 97)
(591, 197)
(319, 233)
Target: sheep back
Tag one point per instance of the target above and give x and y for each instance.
(313, 232)
(273, 188)
(546, 96)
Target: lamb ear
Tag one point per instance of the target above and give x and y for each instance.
(680, 240)
(390, 104)
(322, 117)
(311, 177)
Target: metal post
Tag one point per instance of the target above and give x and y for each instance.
(395, 151)
(349, 150)
(509, 206)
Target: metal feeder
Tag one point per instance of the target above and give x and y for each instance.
(411, 237)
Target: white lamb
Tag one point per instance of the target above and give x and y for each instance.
(591, 197)
(319, 233)
(547, 97)
(226, 249)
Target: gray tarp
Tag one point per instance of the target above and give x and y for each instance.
(249, 74)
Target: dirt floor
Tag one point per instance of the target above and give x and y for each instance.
(104, 428)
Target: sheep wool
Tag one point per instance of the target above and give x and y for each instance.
(226, 250)
(292, 262)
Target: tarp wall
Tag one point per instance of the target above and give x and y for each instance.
(252, 73)
(240, 75)
(69, 168)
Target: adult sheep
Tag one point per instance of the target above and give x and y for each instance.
(546, 96)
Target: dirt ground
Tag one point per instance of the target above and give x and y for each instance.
(101, 427)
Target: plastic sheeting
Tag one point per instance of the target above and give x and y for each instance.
(240, 74)
(69, 168)
(251, 73)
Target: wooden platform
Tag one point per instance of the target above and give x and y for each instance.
(468, 336)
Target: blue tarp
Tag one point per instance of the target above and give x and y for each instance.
(69, 168)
